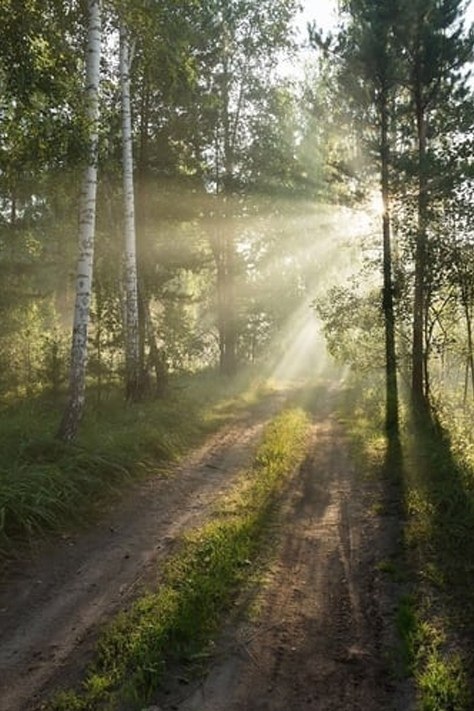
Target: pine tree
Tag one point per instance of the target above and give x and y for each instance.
(435, 49)
(370, 77)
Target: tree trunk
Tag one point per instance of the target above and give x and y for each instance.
(229, 366)
(466, 383)
(142, 203)
(222, 249)
(418, 374)
(223, 243)
(132, 354)
(157, 356)
(470, 342)
(13, 209)
(74, 409)
(391, 405)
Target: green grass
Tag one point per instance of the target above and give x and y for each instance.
(440, 677)
(178, 620)
(361, 411)
(440, 536)
(45, 486)
(435, 482)
(392, 569)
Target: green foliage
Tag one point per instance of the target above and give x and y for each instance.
(179, 619)
(209, 110)
(33, 349)
(353, 326)
(402, 81)
(441, 502)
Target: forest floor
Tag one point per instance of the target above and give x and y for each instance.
(316, 631)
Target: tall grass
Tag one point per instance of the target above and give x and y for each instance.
(45, 485)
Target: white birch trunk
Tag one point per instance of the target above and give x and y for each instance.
(130, 252)
(87, 209)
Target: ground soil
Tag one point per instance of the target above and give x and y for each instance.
(320, 635)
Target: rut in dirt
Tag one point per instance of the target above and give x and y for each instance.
(324, 637)
(52, 606)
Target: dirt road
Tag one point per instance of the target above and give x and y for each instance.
(321, 632)
(323, 637)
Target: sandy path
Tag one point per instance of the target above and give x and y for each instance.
(50, 607)
(323, 636)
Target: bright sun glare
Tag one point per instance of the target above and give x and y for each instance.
(375, 204)
(322, 12)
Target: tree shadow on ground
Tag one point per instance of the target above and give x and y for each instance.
(320, 630)
(442, 501)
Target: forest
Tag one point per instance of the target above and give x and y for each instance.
(236, 355)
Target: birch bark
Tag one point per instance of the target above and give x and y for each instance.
(132, 351)
(87, 210)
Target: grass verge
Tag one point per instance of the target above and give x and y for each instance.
(46, 486)
(440, 537)
(179, 619)
(436, 488)
(440, 676)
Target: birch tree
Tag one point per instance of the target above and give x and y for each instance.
(87, 209)
(130, 253)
